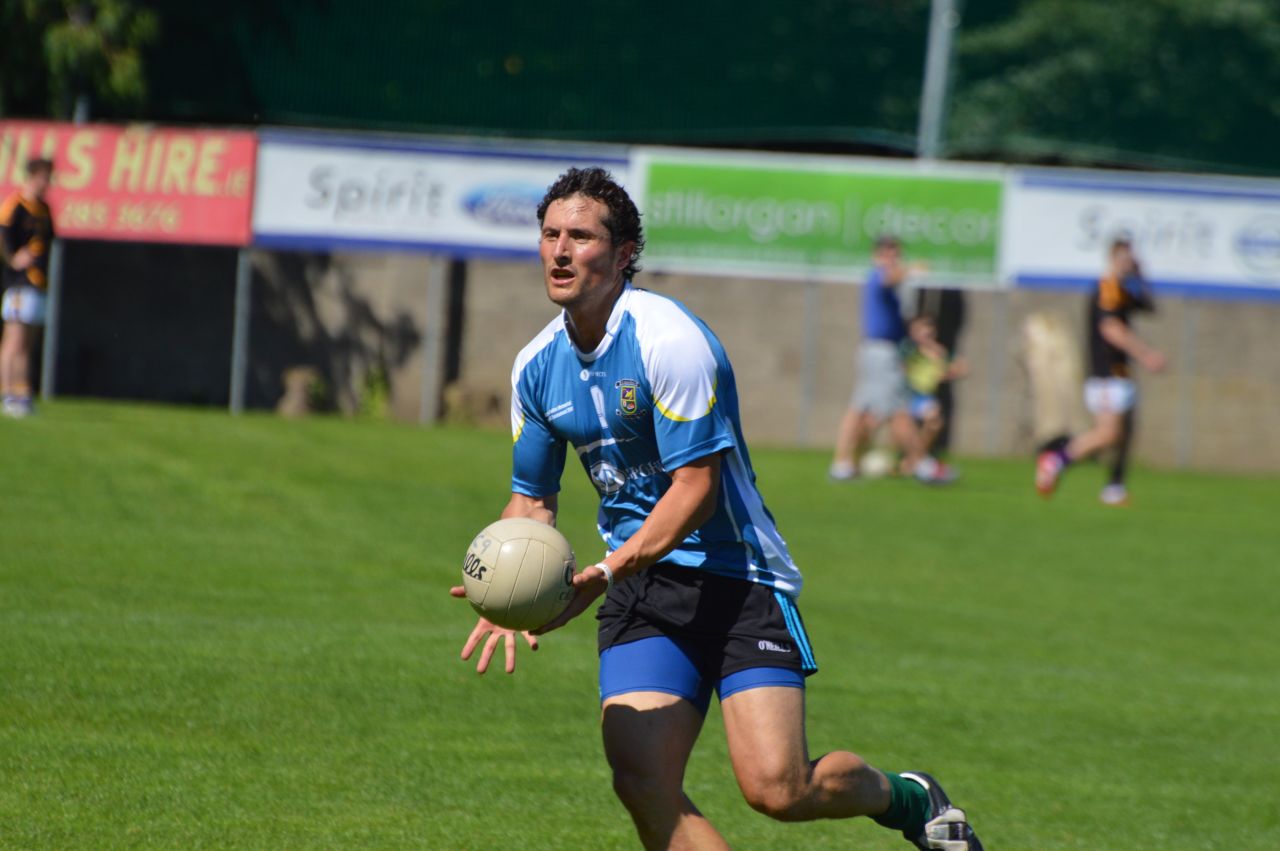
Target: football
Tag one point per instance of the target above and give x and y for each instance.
(877, 463)
(518, 573)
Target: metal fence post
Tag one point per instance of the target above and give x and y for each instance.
(999, 356)
(53, 313)
(809, 359)
(1185, 427)
(240, 330)
(944, 20)
(433, 332)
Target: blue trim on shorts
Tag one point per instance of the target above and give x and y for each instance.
(653, 664)
(759, 678)
(661, 664)
(796, 627)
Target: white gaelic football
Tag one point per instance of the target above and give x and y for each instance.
(877, 463)
(519, 572)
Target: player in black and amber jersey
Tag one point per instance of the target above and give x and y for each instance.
(26, 235)
(1109, 391)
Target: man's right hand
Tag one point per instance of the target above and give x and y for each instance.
(22, 259)
(495, 633)
(1154, 361)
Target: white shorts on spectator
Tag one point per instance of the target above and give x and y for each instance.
(23, 303)
(1110, 395)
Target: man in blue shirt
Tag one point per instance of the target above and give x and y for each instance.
(699, 586)
(880, 393)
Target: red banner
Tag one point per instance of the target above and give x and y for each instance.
(139, 183)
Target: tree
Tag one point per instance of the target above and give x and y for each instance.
(1161, 82)
(57, 51)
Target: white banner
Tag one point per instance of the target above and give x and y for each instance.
(1207, 236)
(318, 191)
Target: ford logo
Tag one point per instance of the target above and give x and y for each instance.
(1258, 246)
(510, 205)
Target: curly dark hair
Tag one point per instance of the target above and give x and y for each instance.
(39, 165)
(623, 219)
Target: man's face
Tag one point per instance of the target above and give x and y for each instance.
(38, 182)
(579, 260)
(887, 255)
(1122, 259)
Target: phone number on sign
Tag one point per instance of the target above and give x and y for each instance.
(137, 216)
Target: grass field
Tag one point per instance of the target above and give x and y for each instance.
(236, 633)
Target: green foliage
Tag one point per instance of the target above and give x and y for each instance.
(375, 397)
(715, 72)
(85, 47)
(319, 394)
(1173, 81)
(234, 633)
(1161, 83)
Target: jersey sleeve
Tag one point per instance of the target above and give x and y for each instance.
(9, 238)
(537, 455)
(689, 422)
(1111, 296)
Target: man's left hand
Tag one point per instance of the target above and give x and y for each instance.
(588, 585)
(492, 635)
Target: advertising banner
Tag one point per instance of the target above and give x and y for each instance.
(815, 218)
(321, 191)
(138, 183)
(1215, 237)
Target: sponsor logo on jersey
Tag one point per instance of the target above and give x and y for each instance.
(608, 479)
(774, 648)
(559, 411)
(627, 395)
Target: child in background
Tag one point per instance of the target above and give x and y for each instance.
(927, 364)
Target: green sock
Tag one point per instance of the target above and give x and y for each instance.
(908, 806)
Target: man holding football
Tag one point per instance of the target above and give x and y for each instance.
(699, 587)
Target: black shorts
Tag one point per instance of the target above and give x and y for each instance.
(727, 625)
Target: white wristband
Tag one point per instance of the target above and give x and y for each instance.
(608, 572)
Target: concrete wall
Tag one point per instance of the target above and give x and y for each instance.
(350, 316)
(1216, 407)
(154, 322)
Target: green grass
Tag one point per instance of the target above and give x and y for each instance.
(236, 633)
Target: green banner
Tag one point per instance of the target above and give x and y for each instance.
(814, 218)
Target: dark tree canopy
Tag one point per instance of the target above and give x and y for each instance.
(1156, 83)
(55, 51)
(1160, 82)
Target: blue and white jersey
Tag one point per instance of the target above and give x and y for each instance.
(656, 394)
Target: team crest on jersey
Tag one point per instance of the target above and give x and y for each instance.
(627, 404)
